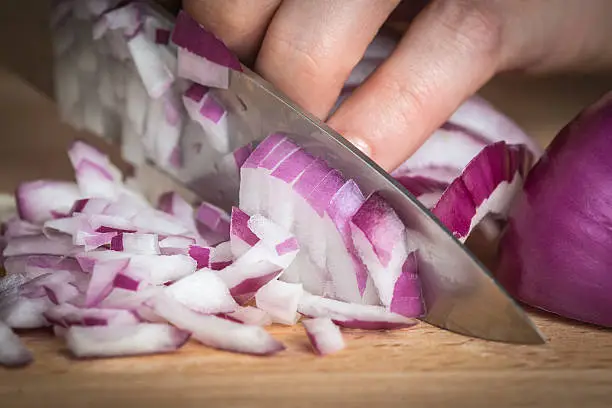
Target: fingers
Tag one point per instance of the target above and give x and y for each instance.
(450, 51)
(240, 24)
(312, 45)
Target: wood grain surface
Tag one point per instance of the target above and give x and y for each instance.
(418, 367)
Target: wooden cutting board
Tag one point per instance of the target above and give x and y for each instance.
(421, 366)
(418, 367)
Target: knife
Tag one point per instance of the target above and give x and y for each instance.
(460, 293)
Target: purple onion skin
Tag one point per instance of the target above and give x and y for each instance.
(556, 254)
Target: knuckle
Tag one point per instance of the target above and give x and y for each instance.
(309, 61)
(476, 24)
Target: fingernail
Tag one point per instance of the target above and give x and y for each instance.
(361, 145)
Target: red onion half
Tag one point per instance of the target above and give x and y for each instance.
(556, 252)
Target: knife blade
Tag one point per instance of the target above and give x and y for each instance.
(460, 293)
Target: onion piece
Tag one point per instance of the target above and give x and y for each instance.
(201, 255)
(158, 222)
(173, 204)
(25, 313)
(487, 185)
(252, 178)
(39, 201)
(139, 244)
(213, 223)
(68, 315)
(241, 237)
(221, 256)
(102, 278)
(126, 18)
(202, 292)
(16, 227)
(249, 273)
(381, 241)
(351, 315)
(280, 300)
(218, 332)
(407, 298)
(12, 351)
(202, 57)
(324, 335)
(175, 245)
(249, 315)
(278, 241)
(110, 341)
(81, 151)
(39, 245)
(155, 75)
(89, 206)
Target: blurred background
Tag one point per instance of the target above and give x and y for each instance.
(34, 140)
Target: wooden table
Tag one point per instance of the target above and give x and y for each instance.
(422, 366)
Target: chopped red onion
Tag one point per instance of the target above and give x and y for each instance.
(250, 315)
(139, 244)
(202, 57)
(39, 201)
(126, 18)
(277, 240)
(26, 313)
(202, 292)
(221, 256)
(241, 237)
(355, 316)
(280, 300)
(16, 227)
(80, 151)
(173, 204)
(324, 335)
(110, 341)
(175, 245)
(201, 255)
(249, 273)
(380, 238)
(68, 315)
(102, 278)
(12, 351)
(155, 75)
(218, 332)
(487, 185)
(214, 223)
(39, 245)
(407, 298)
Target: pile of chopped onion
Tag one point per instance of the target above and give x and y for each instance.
(115, 275)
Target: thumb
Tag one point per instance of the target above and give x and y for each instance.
(449, 52)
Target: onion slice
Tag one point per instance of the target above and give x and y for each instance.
(218, 332)
(353, 316)
(12, 351)
(113, 341)
(324, 335)
(486, 186)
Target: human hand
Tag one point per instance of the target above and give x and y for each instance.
(307, 48)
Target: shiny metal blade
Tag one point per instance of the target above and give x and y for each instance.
(460, 293)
